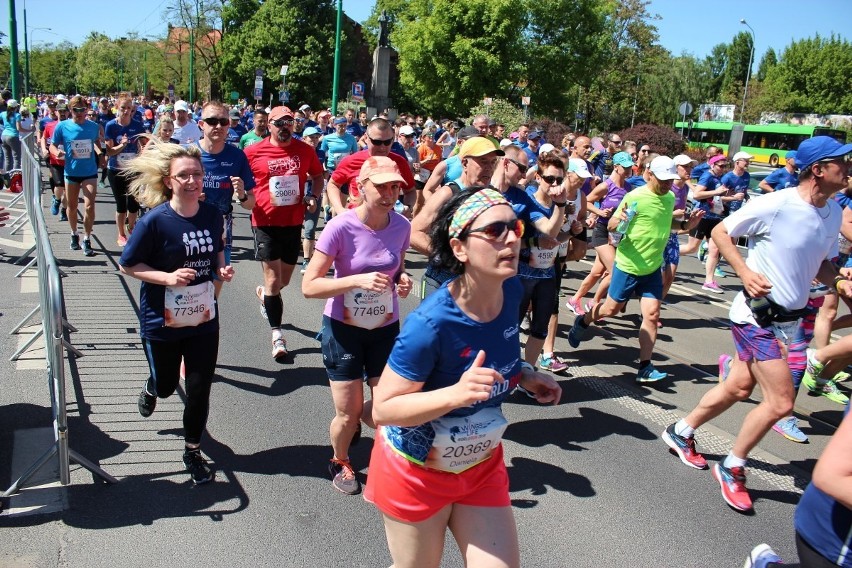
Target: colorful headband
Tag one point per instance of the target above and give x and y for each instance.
(476, 205)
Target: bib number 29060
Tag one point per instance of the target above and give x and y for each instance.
(284, 190)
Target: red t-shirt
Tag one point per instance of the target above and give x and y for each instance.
(348, 169)
(48, 135)
(279, 176)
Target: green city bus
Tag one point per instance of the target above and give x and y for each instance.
(766, 142)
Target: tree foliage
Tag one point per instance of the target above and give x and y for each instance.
(768, 61)
(661, 139)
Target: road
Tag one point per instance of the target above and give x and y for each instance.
(591, 482)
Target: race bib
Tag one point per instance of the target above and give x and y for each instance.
(284, 190)
(463, 442)
(189, 306)
(717, 206)
(366, 309)
(124, 158)
(543, 257)
(81, 149)
(785, 331)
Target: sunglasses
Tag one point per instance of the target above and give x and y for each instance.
(213, 121)
(722, 164)
(617, 142)
(521, 168)
(553, 180)
(387, 142)
(845, 159)
(408, 135)
(281, 122)
(499, 229)
(79, 109)
(645, 151)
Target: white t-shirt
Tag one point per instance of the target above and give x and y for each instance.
(187, 133)
(787, 241)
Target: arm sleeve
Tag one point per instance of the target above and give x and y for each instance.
(415, 352)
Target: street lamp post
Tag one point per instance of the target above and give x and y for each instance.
(27, 53)
(145, 68)
(748, 71)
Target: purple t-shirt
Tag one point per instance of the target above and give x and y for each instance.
(680, 194)
(614, 196)
(357, 249)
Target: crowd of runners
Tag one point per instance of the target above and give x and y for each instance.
(500, 217)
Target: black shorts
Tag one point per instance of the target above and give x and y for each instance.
(600, 235)
(278, 243)
(57, 174)
(704, 228)
(583, 236)
(80, 179)
(124, 202)
(350, 353)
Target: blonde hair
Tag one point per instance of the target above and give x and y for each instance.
(147, 170)
(162, 119)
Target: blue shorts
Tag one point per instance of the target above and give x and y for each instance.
(755, 343)
(623, 285)
(671, 254)
(351, 353)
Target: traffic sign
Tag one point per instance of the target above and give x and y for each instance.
(284, 96)
(487, 101)
(358, 92)
(685, 108)
(258, 94)
(525, 101)
(171, 91)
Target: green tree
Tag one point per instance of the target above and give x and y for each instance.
(97, 64)
(811, 76)
(768, 61)
(737, 67)
(455, 52)
(685, 79)
(52, 68)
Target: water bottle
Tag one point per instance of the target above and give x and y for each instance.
(630, 212)
(398, 207)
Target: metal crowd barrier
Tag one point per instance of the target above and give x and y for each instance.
(53, 326)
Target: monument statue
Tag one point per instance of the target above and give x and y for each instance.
(383, 33)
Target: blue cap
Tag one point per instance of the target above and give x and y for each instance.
(534, 135)
(311, 131)
(819, 148)
(622, 159)
(339, 120)
(791, 155)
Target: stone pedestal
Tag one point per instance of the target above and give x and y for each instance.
(380, 86)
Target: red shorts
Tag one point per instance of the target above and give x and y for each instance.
(413, 493)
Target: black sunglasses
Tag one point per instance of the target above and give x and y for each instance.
(498, 229)
(281, 122)
(213, 121)
(387, 142)
(553, 180)
(79, 109)
(522, 168)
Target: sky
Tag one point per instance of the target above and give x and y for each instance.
(681, 28)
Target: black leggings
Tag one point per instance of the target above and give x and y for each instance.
(199, 354)
(124, 203)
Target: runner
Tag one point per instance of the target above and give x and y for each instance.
(777, 279)
(78, 141)
(450, 368)
(680, 188)
(259, 132)
(782, 178)
(367, 247)
(338, 145)
(175, 251)
(123, 143)
(57, 166)
(11, 120)
(281, 165)
(311, 137)
(186, 130)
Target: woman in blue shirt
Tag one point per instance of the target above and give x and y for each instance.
(11, 137)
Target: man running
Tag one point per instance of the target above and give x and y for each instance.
(281, 165)
(777, 278)
(259, 131)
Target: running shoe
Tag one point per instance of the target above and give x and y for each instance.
(343, 477)
(702, 251)
(762, 556)
(814, 367)
(575, 307)
(789, 428)
(719, 273)
(279, 348)
(182, 371)
(589, 306)
(197, 466)
(75, 242)
(525, 323)
(54, 206)
(840, 377)
(732, 481)
(684, 448)
(712, 287)
(121, 240)
(259, 292)
(87, 247)
(146, 403)
(63, 215)
(577, 332)
(649, 374)
(553, 364)
(828, 389)
(725, 361)
(304, 266)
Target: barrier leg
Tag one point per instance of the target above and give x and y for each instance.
(80, 460)
(25, 320)
(33, 469)
(27, 267)
(26, 345)
(25, 255)
(77, 353)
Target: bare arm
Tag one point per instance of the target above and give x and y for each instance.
(765, 187)
(422, 223)
(436, 180)
(701, 192)
(846, 224)
(143, 272)
(833, 471)
(335, 197)
(755, 283)
(316, 285)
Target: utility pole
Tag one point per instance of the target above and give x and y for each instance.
(336, 81)
(14, 66)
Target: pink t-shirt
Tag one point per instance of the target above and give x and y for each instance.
(357, 249)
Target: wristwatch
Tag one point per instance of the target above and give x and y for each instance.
(244, 198)
(308, 197)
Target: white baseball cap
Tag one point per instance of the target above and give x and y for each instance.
(683, 160)
(579, 167)
(406, 131)
(743, 156)
(181, 105)
(545, 148)
(664, 168)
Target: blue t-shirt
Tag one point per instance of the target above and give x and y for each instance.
(740, 185)
(522, 204)
(218, 170)
(536, 211)
(337, 147)
(114, 131)
(781, 179)
(44, 122)
(165, 241)
(10, 123)
(355, 130)
(439, 342)
(234, 135)
(825, 525)
(78, 141)
(710, 182)
(532, 157)
(636, 181)
(105, 117)
(700, 170)
(454, 169)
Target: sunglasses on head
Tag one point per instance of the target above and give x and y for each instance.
(387, 142)
(213, 121)
(281, 122)
(499, 229)
(553, 180)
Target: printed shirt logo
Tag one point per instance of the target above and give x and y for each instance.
(197, 242)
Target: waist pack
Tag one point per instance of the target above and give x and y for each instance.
(766, 312)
